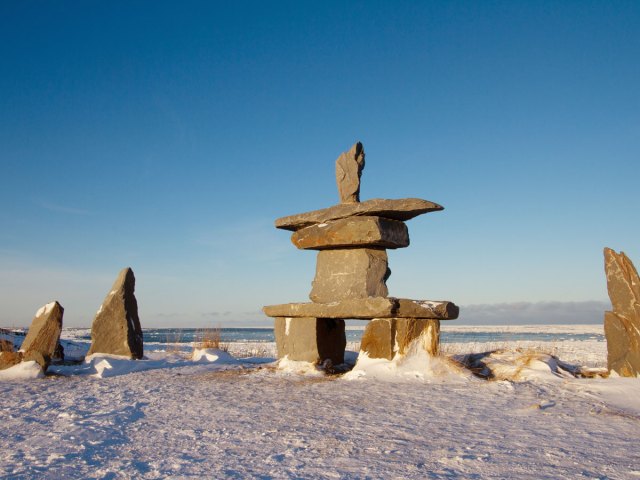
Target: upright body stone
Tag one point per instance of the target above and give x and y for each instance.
(116, 327)
(350, 273)
(622, 325)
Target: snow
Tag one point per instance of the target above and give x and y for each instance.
(22, 371)
(45, 309)
(214, 415)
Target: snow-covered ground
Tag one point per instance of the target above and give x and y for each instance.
(221, 417)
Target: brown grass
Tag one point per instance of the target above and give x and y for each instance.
(210, 338)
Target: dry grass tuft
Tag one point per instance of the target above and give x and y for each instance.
(175, 344)
(210, 338)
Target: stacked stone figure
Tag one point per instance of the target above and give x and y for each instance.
(352, 239)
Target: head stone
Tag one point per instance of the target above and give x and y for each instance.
(349, 167)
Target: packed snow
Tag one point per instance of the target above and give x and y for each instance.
(208, 413)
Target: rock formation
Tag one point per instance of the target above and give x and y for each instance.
(42, 340)
(351, 273)
(116, 326)
(622, 325)
(349, 167)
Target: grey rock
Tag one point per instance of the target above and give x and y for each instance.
(364, 232)
(399, 209)
(622, 325)
(349, 166)
(116, 327)
(312, 340)
(388, 337)
(350, 273)
(367, 308)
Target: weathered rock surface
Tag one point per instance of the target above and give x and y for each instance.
(311, 339)
(364, 232)
(6, 346)
(355, 273)
(622, 325)
(116, 327)
(388, 337)
(367, 308)
(349, 166)
(400, 209)
(44, 334)
(9, 359)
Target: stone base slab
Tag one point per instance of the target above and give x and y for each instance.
(310, 339)
(388, 337)
(368, 308)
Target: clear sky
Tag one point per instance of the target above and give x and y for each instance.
(168, 136)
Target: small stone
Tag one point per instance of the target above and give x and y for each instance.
(388, 337)
(622, 325)
(362, 231)
(349, 166)
(44, 334)
(314, 340)
(397, 209)
(350, 273)
(116, 327)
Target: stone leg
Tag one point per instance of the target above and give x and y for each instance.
(311, 339)
(387, 337)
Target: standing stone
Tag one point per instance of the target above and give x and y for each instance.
(116, 327)
(388, 337)
(310, 339)
(622, 325)
(350, 273)
(349, 167)
(44, 334)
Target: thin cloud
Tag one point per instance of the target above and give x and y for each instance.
(64, 209)
(534, 313)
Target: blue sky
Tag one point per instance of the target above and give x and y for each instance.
(168, 136)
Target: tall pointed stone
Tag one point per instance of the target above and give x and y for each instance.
(116, 327)
(622, 325)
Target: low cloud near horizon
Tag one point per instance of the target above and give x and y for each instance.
(533, 313)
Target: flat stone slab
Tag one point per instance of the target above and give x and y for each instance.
(399, 209)
(361, 231)
(367, 309)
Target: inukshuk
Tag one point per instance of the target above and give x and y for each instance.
(351, 273)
